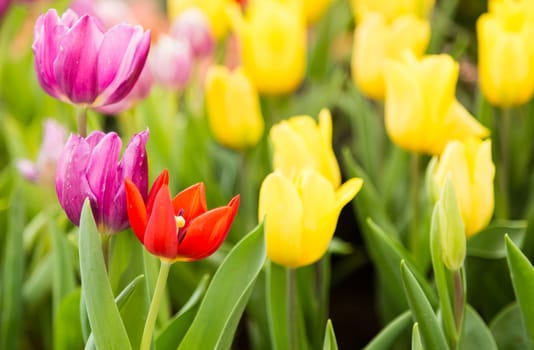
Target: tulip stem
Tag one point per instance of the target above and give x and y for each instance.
(459, 297)
(414, 234)
(82, 121)
(504, 164)
(150, 322)
(292, 308)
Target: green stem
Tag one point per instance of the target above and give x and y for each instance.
(292, 309)
(458, 280)
(150, 322)
(82, 121)
(414, 232)
(504, 143)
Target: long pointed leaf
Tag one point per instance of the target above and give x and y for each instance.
(228, 294)
(387, 336)
(104, 317)
(431, 333)
(522, 274)
(12, 275)
(330, 342)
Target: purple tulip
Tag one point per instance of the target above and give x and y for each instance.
(90, 168)
(4, 5)
(77, 62)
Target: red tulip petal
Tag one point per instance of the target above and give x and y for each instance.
(160, 236)
(162, 179)
(207, 232)
(193, 202)
(136, 209)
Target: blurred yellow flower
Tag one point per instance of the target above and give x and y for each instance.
(472, 171)
(233, 108)
(213, 9)
(506, 54)
(301, 215)
(300, 142)
(272, 39)
(392, 9)
(375, 40)
(421, 110)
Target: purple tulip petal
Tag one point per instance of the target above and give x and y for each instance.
(102, 174)
(134, 166)
(71, 184)
(46, 47)
(128, 66)
(94, 138)
(76, 64)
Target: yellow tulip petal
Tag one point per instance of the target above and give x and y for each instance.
(319, 215)
(280, 205)
(483, 174)
(346, 192)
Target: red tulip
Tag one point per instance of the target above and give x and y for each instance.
(181, 229)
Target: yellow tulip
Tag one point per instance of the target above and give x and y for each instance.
(376, 40)
(272, 38)
(300, 142)
(233, 108)
(505, 51)
(421, 110)
(392, 9)
(301, 215)
(213, 9)
(472, 171)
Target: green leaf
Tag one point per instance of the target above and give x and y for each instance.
(330, 342)
(227, 294)
(522, 274)
(416, 338)
(13, 272)
(387, 336)
(509, 330)
(489, 243)
(104, 317)
(277, 305)
(431, 333)
(172, 333)
(476, 334)
(67, 324)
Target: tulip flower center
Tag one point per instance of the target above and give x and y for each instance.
(180, 222)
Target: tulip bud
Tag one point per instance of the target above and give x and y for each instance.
(506, 55)
(233, 108)
(171, 62)
(376, 40)
(44, 169)
(272, 38)
(79, 63)
(192, 25)
(90, 168)
(213, 9)
(447, 220)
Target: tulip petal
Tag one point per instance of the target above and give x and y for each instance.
(102, 175)
(206, 232)
(482, 176)
(46, 47)
(320, 214)
(121, 59)
(136, 209)
(71, 183)
(75, 67)
(161, 237)
(281, 208)
(192, 201)
(134, 166)
(162, 179)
